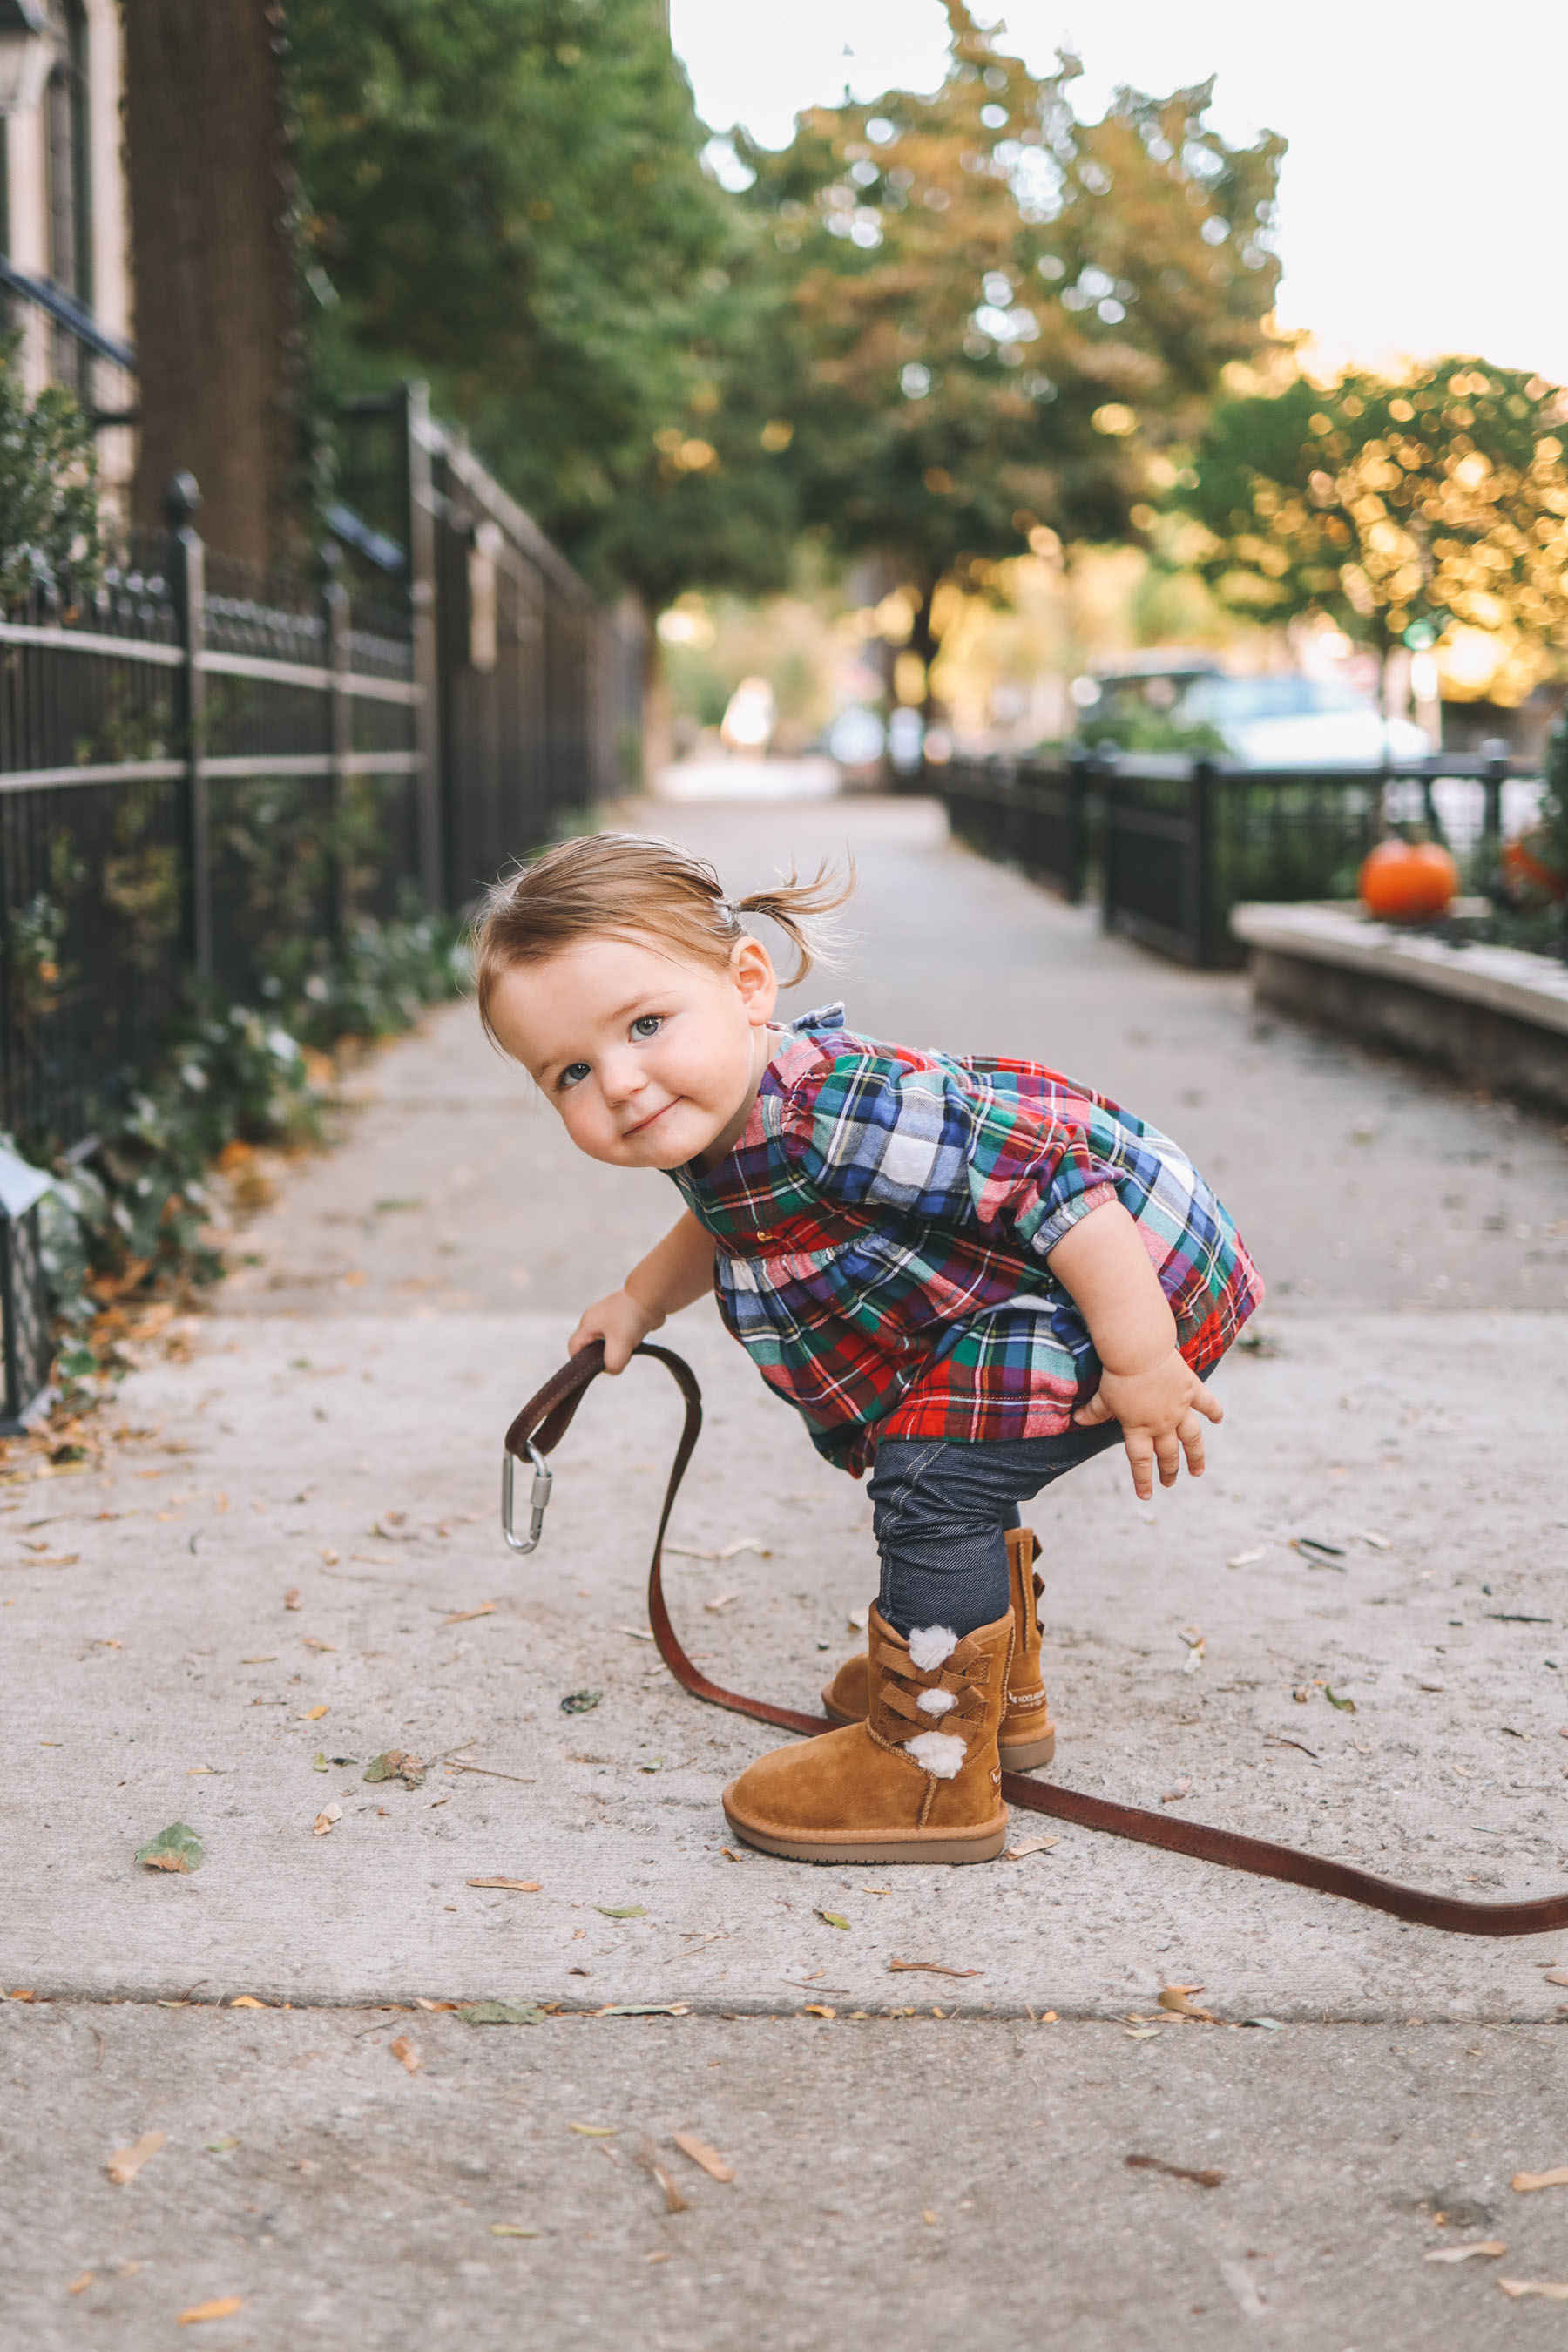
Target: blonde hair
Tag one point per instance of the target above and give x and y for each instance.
(616, 885)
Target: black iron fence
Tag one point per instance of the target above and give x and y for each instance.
(1174, 843)
(211, 774)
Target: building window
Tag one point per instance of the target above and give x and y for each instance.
(69, 157)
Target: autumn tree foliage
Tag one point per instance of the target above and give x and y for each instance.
(1432, 510)
(997, 320)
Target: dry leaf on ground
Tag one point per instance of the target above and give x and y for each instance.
(395, 1764)
(126, 2162)
(177, 1848)
(403, 2050)
(1491, 2247)
(510, 2229)
(699, 2152)
(80, 2285)
(1176, 1998)
(1031, 1845)
(1174, 1796)
(325, 1818)
(224, 2307)
(622, 1910)
(834, 1919)
(1550, 2290)
(720, 1600)
(464, 1616)
(314, 1714)
(291, 1598)
(647, 2156)
(1525, 2181)
(594, 2131)
(247, 2001)
(518, 1886)
(930, 1968)
(1205, 2176)
(500, 2012)
(1557, 1975)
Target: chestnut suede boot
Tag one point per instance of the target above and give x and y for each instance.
(918, 1782)
(1027, 1738)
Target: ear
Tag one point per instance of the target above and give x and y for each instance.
(752, 969)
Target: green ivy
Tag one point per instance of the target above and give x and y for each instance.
(134, 1216)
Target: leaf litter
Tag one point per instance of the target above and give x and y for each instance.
(396, 1764)
(500, 2012)
(1204, 2177)
(177, 1848)
(517, 1886)
(1491, 2247)
(1526, 2182)
(711, 2162)
(648, 2157)
(126, 2162)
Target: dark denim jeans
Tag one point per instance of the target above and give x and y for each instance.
(941, 1509)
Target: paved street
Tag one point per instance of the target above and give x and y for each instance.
(287, 1564)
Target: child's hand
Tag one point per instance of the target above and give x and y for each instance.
(1158, 1408)
(621, 1323)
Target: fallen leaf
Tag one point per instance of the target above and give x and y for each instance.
(247, 2001)
(222, 2307)
(313, 1714)
(463, 1616)
(1175, 1999)
(1174, 1796)
(622, 1910)
(720, 1600)
(319, 1762)
(21, 1994)
(699, 2152)
(1142, 2033)
(1376, 1543)
(291, 1598)
(395, 1764)
(221, 2147)
(728, 1853)
(518, 1886)
(640, 2008)
(510, 2229)
(1491, 2247)
(1557, 1975)
(420, 2002)
(930, 1968)
(928, 2217)
(594, 2131)
(264, 1658)
(330, 1557)
(817, 2008)
(1195, 1657)
(325, 1818)
(1031, 1845)
(1268, 2024)
(633, 1633)
(1345, 1706)
(834, 1919)
(177, 1848)
(1247, 1559)
(1526, 2181)
(647, 2156)
(1550, 2290)
(1205, 2177)
(80, 2285)
(660, 2257)
(500, 2012)
(314, 1642)
(580, 1702)
(407, 2056)
(126, 2162)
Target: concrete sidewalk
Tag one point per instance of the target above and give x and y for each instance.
(334, 1436)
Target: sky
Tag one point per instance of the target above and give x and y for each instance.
(1423, 203)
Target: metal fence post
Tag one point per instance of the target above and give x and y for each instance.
(339, 616)
(1200, 853)
(181, 501)
(426, 649)
(1495, 752)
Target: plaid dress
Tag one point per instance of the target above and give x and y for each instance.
(882, 1228)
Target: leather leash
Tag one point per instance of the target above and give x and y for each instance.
(543, 1422)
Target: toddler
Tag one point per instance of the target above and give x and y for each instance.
(967, 1275)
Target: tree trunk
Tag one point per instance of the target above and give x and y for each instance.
(217, 328)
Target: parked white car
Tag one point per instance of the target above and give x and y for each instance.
(1283, 722)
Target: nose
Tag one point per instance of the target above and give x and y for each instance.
(622, 1078)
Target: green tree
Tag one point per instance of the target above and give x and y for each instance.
(1000, 319)
(49, 536)
(1430, 510)
(507, 196)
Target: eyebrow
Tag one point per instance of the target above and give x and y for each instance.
(621, 1013)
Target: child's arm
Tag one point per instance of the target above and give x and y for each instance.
(676, 1271)
(1145, 1383)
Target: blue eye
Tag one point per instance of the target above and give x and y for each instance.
(572, 1075)
(648, 1026)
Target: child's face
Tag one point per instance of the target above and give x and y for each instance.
(651, 1060)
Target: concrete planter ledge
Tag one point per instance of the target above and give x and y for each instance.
(1495, 1016)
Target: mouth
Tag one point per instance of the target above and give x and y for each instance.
(644, 1124)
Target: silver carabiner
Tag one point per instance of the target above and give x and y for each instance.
(537, 1499)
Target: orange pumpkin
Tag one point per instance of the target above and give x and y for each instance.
(1408, 881)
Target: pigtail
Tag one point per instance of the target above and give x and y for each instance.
(797, 906)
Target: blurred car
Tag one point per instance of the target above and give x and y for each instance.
(1286, 721)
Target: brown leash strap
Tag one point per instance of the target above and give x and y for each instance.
(543, 1422)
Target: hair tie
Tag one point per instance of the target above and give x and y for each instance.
(722, 907)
